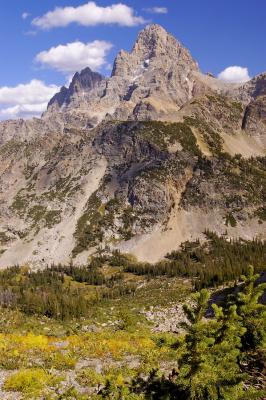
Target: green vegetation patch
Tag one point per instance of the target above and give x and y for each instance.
(100, 217)
(88, 232)
(208, 264)
(12, 146)
(230, 220)
(40, 213)
(237, 183)
(62, 189)
(30, 382)
(212, 138)
(4, 238)
(164, 134)
(21, 202)
(261, 213)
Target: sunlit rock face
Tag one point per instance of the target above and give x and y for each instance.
(140, 161)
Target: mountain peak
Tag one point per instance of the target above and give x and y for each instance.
(84, 80)
(152, 81)
(153, 39)
(153, 42)
(153, 29)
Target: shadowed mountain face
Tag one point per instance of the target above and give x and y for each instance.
(140, 161)
(86, 80)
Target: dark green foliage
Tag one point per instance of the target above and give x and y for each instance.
(211, 137)
(162, 135)
(238, 183)
(39, 213)
(209, 368)
(214, 365)
(261, 213)
(41, 292)
(230, 220)
(158, 387)
(4, 238)
(87, 232)
(212, 350)
(209, 264)
(252, 312)
(97, 219)
(89, 275)
(55, 292)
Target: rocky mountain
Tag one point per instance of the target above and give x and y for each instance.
(86, 80)
(140, 161)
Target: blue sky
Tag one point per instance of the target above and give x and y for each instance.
(219, 34)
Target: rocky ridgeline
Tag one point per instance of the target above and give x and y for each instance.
(140, 161)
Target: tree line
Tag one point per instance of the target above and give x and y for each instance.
(209, 264)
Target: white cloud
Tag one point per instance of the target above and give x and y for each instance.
(89, 14)
(234, 74)
(25, 15)
(157, 10)
(25, 100)
(75, 56)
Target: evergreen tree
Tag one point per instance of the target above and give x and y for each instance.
(252, 312)
(209, 368)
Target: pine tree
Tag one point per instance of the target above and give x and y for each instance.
(194, 372)
(252, 312)
(209, 368)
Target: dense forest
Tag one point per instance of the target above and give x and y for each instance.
(61, 291)
(209, 264)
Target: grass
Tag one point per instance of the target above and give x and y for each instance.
(30, 382)
(111, 344)
(39, 352)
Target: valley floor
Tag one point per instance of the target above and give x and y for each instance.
(121, 339)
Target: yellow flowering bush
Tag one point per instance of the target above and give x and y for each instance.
(30, 382)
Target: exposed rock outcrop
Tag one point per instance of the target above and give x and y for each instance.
(140, 161)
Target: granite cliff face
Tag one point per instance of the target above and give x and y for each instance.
(151, 82)
(140, 161)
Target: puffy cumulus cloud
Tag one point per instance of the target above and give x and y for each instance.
(89, 14)
(75, 56)
(234, 74)
(157, 10)
(25, 100)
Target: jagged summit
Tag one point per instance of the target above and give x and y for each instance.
(153, 43)
(151, 82)
(146, 46)
(84, 80)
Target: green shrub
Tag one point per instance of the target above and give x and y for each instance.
(30, 382)
(230, 220)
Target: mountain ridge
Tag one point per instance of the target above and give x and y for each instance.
(140, 161)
